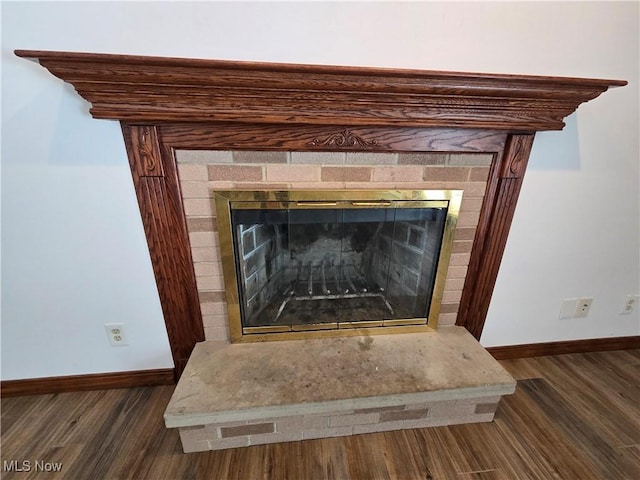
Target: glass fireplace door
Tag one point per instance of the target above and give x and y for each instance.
(305, 266)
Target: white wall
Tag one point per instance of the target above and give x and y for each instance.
(73, 248)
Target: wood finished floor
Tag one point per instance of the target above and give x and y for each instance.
(572, 417)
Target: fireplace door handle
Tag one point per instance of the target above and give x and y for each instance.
(316, 204)
(371, 204)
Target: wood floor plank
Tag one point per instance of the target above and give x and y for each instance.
(572, 417)
(602, 402)
(580, 433)
(532, 445)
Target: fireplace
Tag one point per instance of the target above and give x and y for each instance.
(297, 263)
(168, 105)
(326, 190)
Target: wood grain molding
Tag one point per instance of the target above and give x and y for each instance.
(503, 188)
(74, 383)
(155, 178)
(156, 89)
(568, 346)
(165, 104)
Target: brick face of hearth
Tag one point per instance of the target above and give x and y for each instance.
(202, 172)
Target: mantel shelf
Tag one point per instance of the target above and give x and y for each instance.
(152, 90)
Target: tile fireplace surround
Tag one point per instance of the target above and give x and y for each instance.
(202, 172)
(193, 126)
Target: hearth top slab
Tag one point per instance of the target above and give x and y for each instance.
(238, 382)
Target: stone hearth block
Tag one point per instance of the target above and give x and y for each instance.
(233, 395)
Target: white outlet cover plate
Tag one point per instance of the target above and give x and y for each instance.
(116, 334)
(631, 303)
(568, 308)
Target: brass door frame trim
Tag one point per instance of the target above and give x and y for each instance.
(295, 199)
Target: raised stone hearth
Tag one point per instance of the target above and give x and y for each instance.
(234, 395)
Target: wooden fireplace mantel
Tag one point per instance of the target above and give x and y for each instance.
(169, 103)
(156, 89)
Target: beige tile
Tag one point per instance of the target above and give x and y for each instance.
(346, 174)
(327, 432)
(260, 157)
(224, 443)
(198, 207)
(371, 158)
(426, 423)
(193, 172)
(218, 186)
(445, 174)
(277, 437)
(315, 421)
(378, 427)
(235, 173)
(457, 271)
(203, 239)
(479, 174)
(210, 308)
(392, 408)
(210, 283)
(400, 173)
(205, 254)
(202, 224)
(422, 158)
(471, 159)
(354, 419)
(471, 204)
(465, 233)
(220, 334)
(318, 158)
(451, 297)
(293, 173)
(204, 156)
(208, 269)
(468, 219)
(449, 308)
(447, 319)
(211, 296)
(451, 410)
(404, 415)
(459, 259)
(477, 418)
(195, 189)
(454, 284)
(462, 246)
(214, 320)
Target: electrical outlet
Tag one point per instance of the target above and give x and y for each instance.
(630, 304)
(583, 307)
(116, 334)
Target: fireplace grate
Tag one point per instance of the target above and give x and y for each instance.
(325, 279)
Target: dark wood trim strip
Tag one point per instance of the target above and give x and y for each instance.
(155, 178)
(567, 346)
(501, 197)
(232, 136)
(97, 381)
